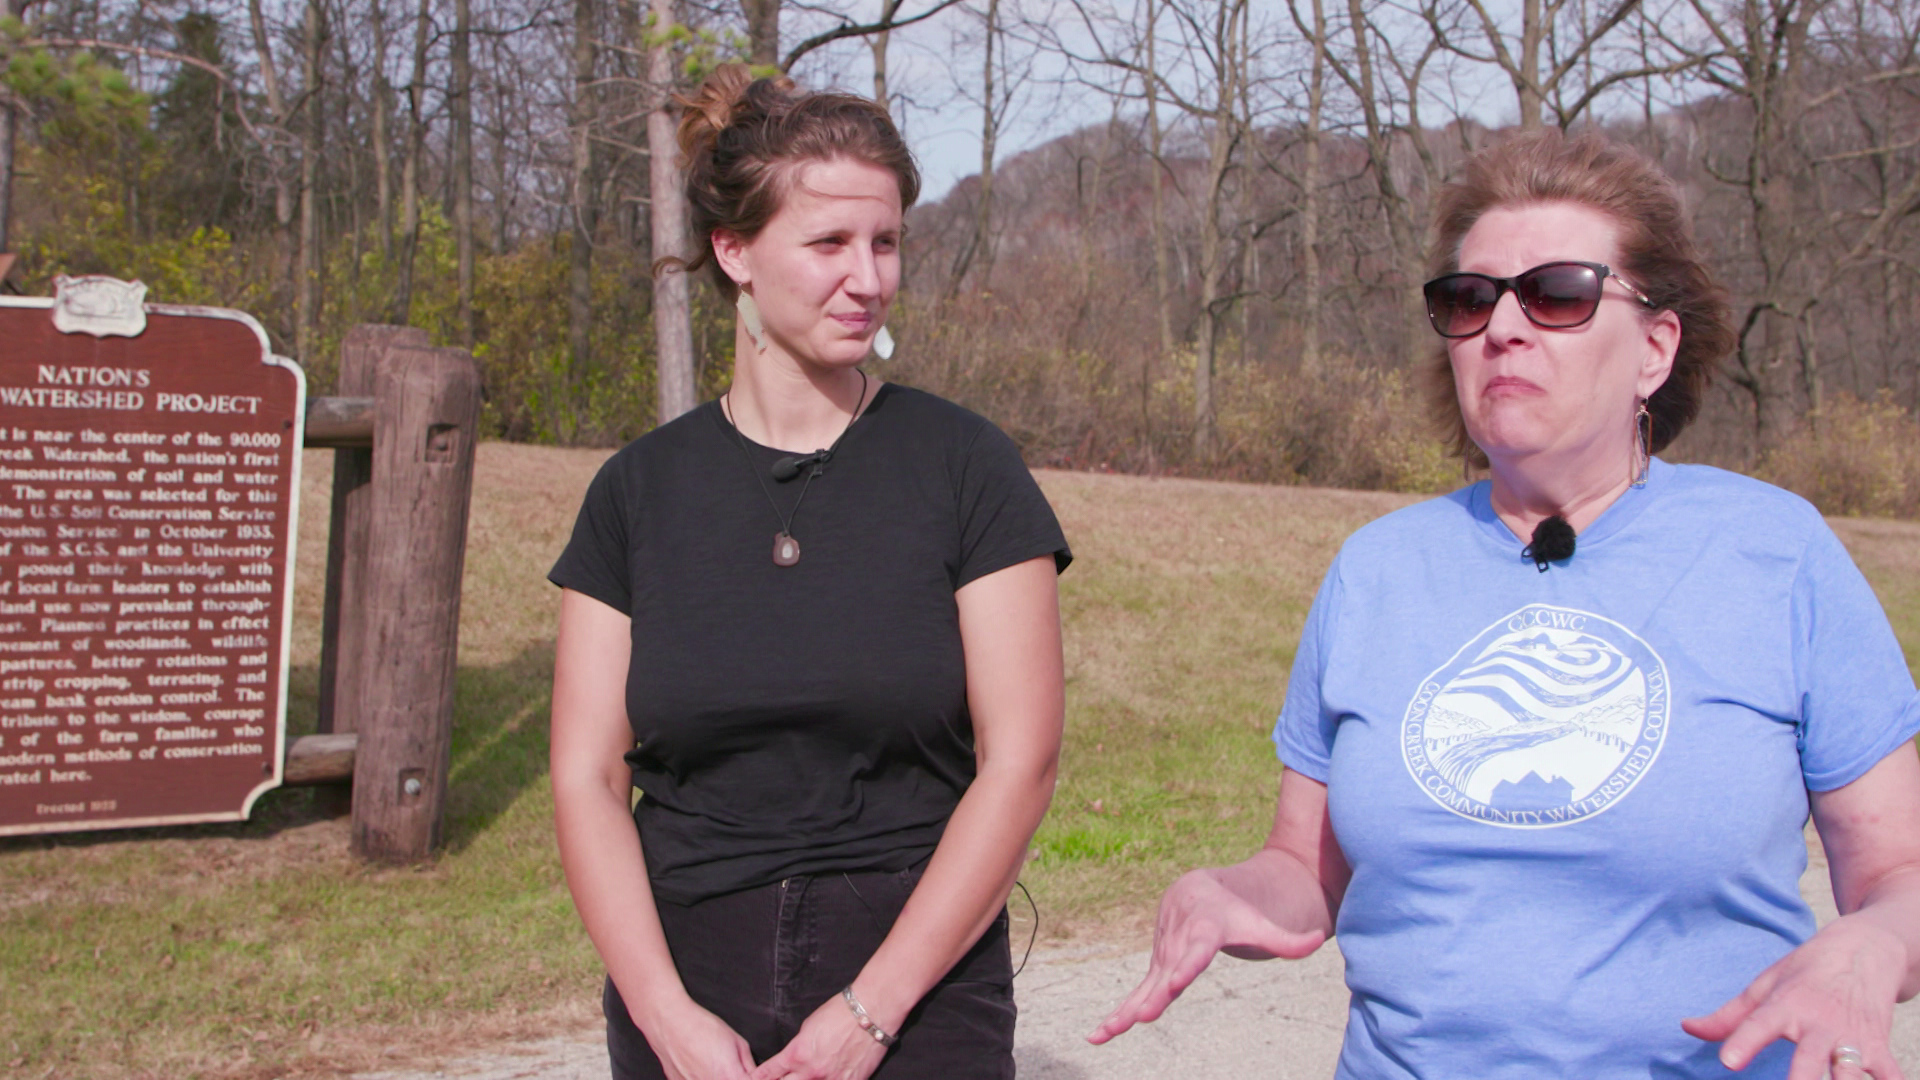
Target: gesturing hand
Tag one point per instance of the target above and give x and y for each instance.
(829, 1046)
(1200, 916)
(1836, 990)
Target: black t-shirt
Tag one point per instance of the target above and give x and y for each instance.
(809, 718)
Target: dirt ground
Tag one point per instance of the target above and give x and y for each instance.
(1240, 1021)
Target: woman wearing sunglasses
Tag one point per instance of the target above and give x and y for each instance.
(1551, 741)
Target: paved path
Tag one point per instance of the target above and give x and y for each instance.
(1240, 1021)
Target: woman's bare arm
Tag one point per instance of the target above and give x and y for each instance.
(1010, 627)
(600, 847)
(1839, 988)
(1281, 902)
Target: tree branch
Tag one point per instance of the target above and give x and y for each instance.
(146, 52)
(852, 30)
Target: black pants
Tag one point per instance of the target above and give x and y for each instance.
(764, 959)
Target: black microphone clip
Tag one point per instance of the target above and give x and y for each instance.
(789, 467)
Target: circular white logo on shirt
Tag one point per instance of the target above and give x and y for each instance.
(1549, 716)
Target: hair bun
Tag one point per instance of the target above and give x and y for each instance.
(724, 97)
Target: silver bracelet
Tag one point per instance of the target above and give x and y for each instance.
(866, 1022)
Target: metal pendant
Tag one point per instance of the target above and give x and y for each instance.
(786, 550)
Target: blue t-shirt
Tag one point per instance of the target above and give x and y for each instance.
(1573, 801)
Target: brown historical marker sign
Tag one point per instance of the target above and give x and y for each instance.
(149, 478)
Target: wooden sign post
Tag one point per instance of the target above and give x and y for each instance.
(149, 487)
(149, 490)
(398, 646)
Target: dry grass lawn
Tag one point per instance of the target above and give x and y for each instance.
(260, 950)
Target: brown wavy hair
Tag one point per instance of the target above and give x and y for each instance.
(1657, 253)
(743, 140)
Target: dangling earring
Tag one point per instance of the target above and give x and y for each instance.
(883, 344)
(1643, 437)
(750, 320)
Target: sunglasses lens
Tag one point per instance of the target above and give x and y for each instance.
(1560, 295)
(1460, 305)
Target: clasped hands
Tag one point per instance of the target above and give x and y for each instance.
(830, 1045)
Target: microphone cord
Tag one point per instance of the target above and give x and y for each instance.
(786, 520)
(1032, 936)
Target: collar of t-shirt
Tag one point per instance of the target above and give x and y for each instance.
(1611, 521)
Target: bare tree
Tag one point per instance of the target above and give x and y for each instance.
(460, 155)
(1396, 205)
(877, 44)
(1521, 61)
(1310, 191)
(982, 246)
(307, 297)
(1156, 169)
(411, 168)
(672, 300)
(382, 125)
(1807, 222)
(583, 203)
(1215, 32)
(283, 199)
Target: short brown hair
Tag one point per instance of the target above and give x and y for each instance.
(741, 139)
(1657, 254)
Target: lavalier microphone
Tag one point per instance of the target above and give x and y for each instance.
(789, 467)
(1553, 541)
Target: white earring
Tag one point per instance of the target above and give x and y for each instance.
(750, 319)
(883, 344)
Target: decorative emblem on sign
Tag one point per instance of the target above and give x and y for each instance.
(99, 305)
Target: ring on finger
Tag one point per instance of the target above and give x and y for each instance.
(1848, 1055)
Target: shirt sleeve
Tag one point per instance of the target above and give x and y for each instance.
(595, 560)
(1004, 519)
(1304, 733)
(1857, 696)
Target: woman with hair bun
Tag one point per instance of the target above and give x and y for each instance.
(815, 623)
(1552, 741)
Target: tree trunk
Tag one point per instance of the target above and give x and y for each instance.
(672, 298)
(878, 43)
(763, 32)
(312, 143)
(287, 269)
(1221, 139)
(1088, 212)
(382, 134)
(349, 188)
(989, 134)
(1250, 252)
(502, 181)
(580, 255)
(460, 167)
(1532, 32)
(1156, 168)
(6, 156)
(1310, 189)
(1773, 54)
(1212, 266)
(1399, 214)
(410, 170)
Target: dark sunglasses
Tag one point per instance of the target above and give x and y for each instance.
(1553, 296)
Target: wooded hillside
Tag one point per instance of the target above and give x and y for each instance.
(1216, 274)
